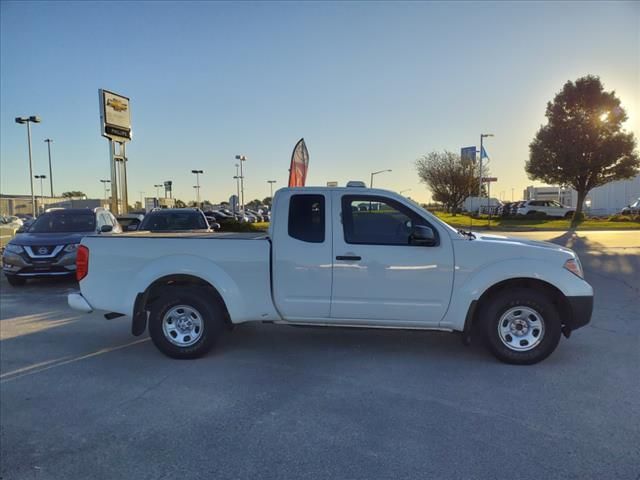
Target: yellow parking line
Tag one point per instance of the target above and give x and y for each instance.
(42, 366)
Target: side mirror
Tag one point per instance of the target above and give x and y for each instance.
(421, 235)
(106, 228)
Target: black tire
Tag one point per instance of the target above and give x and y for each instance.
(198, 299)
(16, 281)
(510, 300)
(569, 215)
(532, 212)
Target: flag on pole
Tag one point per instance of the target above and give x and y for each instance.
(299, 165)
(483, 154)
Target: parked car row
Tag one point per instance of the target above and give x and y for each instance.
(46, 246)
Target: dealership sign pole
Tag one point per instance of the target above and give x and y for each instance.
(115, 124)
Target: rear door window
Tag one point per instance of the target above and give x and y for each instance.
(307, 218)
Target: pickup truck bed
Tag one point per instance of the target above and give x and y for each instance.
(237, 263)
(209, 235)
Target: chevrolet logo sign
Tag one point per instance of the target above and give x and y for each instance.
(117, 105)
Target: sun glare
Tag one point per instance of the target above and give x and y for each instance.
(604, 116)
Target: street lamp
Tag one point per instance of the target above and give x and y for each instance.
(482, 137)
(405, 190)
(376, 173)
(242, 158)
(104, 184)
(41, 177)
(29, 121)
(197, 186)
(271, 182)
(237, 179)
(48, 141)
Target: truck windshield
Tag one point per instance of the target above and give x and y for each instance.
(64, 222)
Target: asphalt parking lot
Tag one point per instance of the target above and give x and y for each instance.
(81, 398)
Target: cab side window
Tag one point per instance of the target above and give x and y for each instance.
(377, 221)
(307, 218)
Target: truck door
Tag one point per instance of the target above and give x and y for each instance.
(378, 275)
(302, 256)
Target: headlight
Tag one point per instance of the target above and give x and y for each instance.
(71, 247)
(10, 247)
(573, 265)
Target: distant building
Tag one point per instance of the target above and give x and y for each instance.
(603, 200)
(15, 204)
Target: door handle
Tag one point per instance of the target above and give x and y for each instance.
(349, 257)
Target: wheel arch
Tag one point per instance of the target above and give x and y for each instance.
(558, 298)
(158, 287)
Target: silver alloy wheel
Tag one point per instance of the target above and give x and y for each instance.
(521, 329)
(182, 325)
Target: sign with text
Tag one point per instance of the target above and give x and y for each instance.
(489, 179)
(115, 116)
(468, 154)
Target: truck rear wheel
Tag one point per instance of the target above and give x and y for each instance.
(521, 326)
(185, 322)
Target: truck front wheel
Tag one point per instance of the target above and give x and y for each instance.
(185, 322)
(521, 326)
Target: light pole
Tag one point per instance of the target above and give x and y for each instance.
(482, 137)
(41, 178)
(142, 205)
(376, 173)
(405, 190)
(242, 158)
(197, 186)
(49, 142)
(104, 184)
(237, 179)
(271, 182)
(29, 121)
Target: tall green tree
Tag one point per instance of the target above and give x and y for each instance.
(450, 178)
(583, 144)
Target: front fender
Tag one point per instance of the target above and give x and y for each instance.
(469, 286)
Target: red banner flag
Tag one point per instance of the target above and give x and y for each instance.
(299, 165)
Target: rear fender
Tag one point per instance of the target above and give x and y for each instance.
(194, 266)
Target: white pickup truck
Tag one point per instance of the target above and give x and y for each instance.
(347, 256)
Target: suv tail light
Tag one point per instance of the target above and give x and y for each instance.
(82, 262)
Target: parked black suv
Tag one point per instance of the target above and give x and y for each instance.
(47, 248)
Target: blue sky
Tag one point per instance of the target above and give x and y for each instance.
(369, 85)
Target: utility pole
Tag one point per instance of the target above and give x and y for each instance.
(28, 121)
(271, 182)
(41, 177)
(49, 142)
(104, 183)
(482, 137)
(242, 158)
(197, 185)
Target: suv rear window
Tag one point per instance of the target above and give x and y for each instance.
(307, 218)
(169, 221)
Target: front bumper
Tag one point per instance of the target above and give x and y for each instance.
(16, 264)
(581, 310)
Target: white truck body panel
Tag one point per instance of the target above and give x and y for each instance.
(128, 264)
